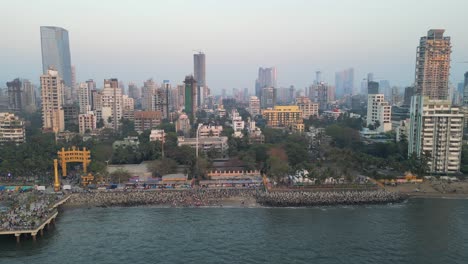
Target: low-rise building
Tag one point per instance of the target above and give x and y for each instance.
(11, 129)
(126, 142)
(157, 135)
(209, 131)
(255, 133)
(219, 144)
(334, 114)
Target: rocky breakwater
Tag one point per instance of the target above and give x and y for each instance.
(295, 198)
(174, 198)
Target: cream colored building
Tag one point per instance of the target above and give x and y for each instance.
(307, 107)
(86, 122)
(11, 129)
(254, 106)
(210, 131)
(52, 101)
(219, 144)
(84, 98)
(436, 130)
(379, 111)
(128, 107)
(157, 135)
(112, 98)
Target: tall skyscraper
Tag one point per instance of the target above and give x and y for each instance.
(433, 65)
(372, 87)
(465, 90)
(112, 100)
(409, 92)
(133, 91)
(199, 70)
(29, 96)
(161, 99)
(190, 97)
(266, 78)
(147, 94)
(319, 93)
(15, 92)
(344, 83)
(56, 52)
(53, 118)
(370, 77)
(84, 98)
(268, 99)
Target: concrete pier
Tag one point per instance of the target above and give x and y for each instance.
(40, 229)
(32, 232)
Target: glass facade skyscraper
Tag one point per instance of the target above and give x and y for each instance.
(56, 52)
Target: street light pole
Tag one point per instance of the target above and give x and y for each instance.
(196, 154)
(198, 130)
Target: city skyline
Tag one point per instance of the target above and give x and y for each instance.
(244, 43)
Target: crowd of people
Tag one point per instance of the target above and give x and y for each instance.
(216, 197)
(25, 210)
(175, 198)
(294, 198)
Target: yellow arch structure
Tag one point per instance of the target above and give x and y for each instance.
(72, 154)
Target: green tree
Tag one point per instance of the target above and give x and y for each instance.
(162, 166)
(277, 168)
(120, 175)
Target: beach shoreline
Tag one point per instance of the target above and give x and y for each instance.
(432, 189)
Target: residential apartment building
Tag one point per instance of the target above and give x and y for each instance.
(307, 107)
(146, 120)
(267, 77)
(379, 112)
(238, 124)
(433, 65)
(87, 122)
(268, 98)
(128, 107)
(284, 117)
(52, 101)
(84, 98)
(11, 129)
(209, 131)
(254, 106)
(436, 130)
(182, 125)
(111, 98)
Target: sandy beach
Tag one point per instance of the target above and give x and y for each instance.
(433, 189)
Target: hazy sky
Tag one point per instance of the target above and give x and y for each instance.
(136, 40)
